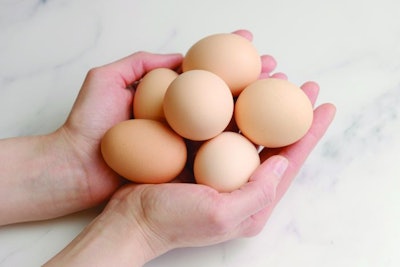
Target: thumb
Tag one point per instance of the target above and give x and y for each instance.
(260, 191)
(275, 166)
(267, 176)
(133, 67)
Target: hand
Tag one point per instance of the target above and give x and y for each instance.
(103, 101)
(144, 221)
(180, 215)
(63, 172)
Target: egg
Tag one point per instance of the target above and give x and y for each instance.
(230, 56)
(149, 95)
(273, 113)
(198, 105)
(208, 120)
(144, 151)
(225, 162)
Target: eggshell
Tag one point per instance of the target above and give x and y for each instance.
(273, 112)
(226, 162)
(198, 105)
(144, 151)
(232, 57)
(149, 95)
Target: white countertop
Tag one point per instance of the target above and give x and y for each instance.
(344, 207)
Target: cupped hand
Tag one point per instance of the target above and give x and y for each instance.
(141, 222)
(147, 220)
(104, 100)
(184, 214)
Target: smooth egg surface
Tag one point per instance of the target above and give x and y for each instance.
(273, 112)
(149, 95)
(225, 162)
(198, 105)
(232, 57)
(144, 151)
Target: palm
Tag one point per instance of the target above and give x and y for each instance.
(198, 203)
(172, 211)
(111, 103)
(103, 101)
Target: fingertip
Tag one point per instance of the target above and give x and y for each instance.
(275, 165)
(298, 152)
(311, 86)
(244, 33)
(329, 110)
(280, 75)
(134, 66)
(333, 109)
(175, 55)
(169, 59)
(279, 165)
(311, 89)
(268, 63)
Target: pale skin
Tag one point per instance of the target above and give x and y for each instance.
(62, 172)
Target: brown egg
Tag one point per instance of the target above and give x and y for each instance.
(232, 57)
(198, 105)
(149, 95)
(144, 151)
(226, 162)
(273, 113)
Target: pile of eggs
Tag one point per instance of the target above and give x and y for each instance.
(217, 101)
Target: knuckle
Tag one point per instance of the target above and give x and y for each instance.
(253, 231)
(95, 72)
(141, 53)
(253, 226)
(219, 220)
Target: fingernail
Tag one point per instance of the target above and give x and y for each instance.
(279, 166)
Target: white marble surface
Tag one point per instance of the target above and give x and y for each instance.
(344, 207)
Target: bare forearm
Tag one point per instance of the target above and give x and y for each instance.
(33, 172)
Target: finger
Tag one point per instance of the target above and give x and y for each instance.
(298, 152)
(311, 89)
(279, 75)
(244, 33)
(131, 68)
(323, 116)
(259, 192)
(263, 76)
(296, 155)
(268, 64)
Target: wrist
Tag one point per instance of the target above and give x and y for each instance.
(64, 176)
(126, 207)
(36, 179)
(117, 235)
